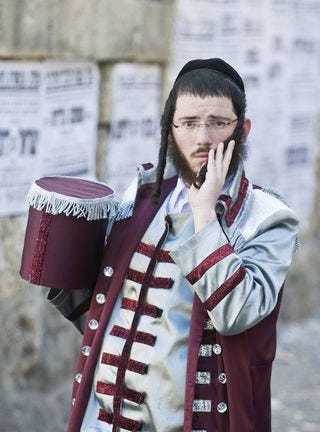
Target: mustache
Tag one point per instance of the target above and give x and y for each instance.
(200, 150)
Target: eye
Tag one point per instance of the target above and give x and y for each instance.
(189, 124)
(219, 124)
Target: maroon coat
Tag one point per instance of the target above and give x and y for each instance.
(246, 358)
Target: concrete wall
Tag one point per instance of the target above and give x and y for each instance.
(38, 347)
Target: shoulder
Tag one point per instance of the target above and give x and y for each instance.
(266, 209)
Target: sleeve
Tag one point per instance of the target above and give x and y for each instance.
(72, 304)
(239, 287)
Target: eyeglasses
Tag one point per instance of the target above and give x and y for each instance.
(212, 125)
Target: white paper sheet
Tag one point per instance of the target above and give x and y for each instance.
(134, 132)
(274, 45)
(70, 114)
(48, 125)
(20, 133)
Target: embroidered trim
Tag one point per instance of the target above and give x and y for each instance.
(110, 390)
(147, 308)
(234, 209)
(153, 282)
(225, 288)
(140, 336)
(148, 250)
(41, 245)
(133, 365)
(133, 335)
(122, 422)
(212, 259)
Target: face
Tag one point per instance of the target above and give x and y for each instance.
(189, 148)
(195, 144)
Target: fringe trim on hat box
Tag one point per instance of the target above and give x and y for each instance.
(55, 203)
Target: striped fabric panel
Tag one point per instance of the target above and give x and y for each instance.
(110, 390)
(133, 365)
(148, 250)
(153, 282)
(140, 336)
(225, 288)
(123, 422)
(209, 262)
(147, 308)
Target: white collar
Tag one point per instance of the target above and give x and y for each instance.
(178, 200)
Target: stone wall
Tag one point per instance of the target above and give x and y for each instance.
(38, 346)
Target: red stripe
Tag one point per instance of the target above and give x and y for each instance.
(147, 309)
(129, 304)
(133, 365)
(235, 208)
(105, 388)
(40, 248)
(141, 337)
(149, 250)
(105, 417)
(110, 390)
(225, 288)
(133, 335)
(209, 262)
(123, 422)
(153, 282)
(145, 338)
(147, 166)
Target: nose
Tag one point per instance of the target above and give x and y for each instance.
(203, 136)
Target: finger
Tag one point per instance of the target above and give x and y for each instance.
(211, 161)
(219, 158)
(227, 157)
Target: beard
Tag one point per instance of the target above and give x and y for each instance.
(182, 166)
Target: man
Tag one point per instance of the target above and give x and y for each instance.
(181, 329)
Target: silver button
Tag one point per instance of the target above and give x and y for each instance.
(78, 377)
(73, 401)
(101, 298)
(222, 378)
(85, 350)
(217, 349)
(222, 407)
(93, 324)
(108, 271)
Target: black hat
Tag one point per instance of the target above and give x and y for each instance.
(215, 64)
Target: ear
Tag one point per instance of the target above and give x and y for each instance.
(246, 129)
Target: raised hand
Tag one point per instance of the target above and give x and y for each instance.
(202, 201)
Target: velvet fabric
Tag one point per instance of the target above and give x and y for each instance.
(64, 250)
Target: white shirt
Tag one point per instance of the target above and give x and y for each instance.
(179, 201)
